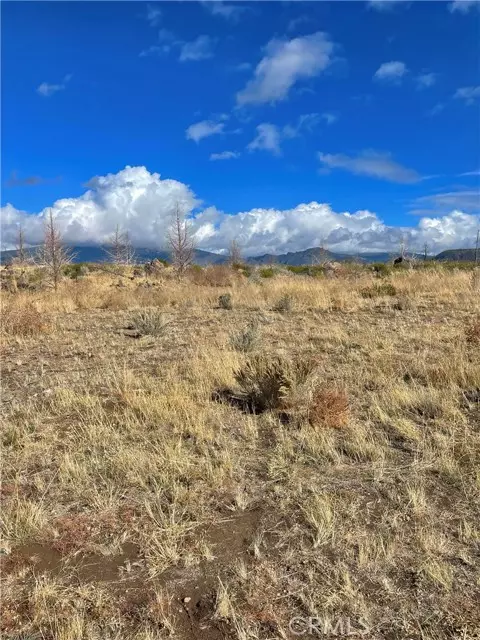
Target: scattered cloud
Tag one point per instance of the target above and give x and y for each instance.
(306, 122)
(330, 118)
(143, 202)
(199, 49)
(476, 172)
(29, 181)
(242, 66)
(468, 94)
(374, 164)
(153, 15)
(296, 22)
(466, 200)
(436, 109)
(231, 12)
(204, 129)
(225, 155)
(166, 40)
(384, 5)
(391, 72)
(285, 63)
(268, 138)
(462, 6)
(46, 90)
(426, 80)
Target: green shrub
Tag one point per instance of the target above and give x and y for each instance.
(381, 269)
(225, 301)
(267, 272)
(76, 270)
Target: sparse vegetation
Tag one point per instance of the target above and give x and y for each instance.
(225, 301)
(284, 304)
(335, 475)
(150, 322)
(247, 339)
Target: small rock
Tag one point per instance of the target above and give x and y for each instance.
(186, 600)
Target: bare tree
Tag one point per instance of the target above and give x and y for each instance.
(119, 249)
(21, 257)
(425, 252)
(180, 241)
(53, 255)
(234, 254)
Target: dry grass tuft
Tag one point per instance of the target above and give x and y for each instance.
(472, 331)
(23, 319)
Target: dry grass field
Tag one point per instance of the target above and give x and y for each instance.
(176, 469)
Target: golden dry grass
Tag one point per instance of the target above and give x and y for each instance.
(139, 502)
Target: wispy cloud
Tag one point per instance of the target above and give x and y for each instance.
(330, 118)
(153, 14)
(225, 155)
(46, 90)
(29, 181)
(476, 172)
(267, 139)
(468, 94)
(426, 80)
(204, 129)
(231, 12)
(384, 5)
(374, 164)
(285, 63)
(462, 6)
(391, 71)
(199, 49)
(466, 200)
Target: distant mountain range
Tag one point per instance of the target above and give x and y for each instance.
(296, 258)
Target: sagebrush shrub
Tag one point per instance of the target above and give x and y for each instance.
(265, 382)
(284, 304)
(225, 301)
(378, 290)
(247, 339)
(149, 321)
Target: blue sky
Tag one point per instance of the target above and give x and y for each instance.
(265, 106)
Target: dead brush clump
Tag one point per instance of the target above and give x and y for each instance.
(329, 408)
(212, 276)
(23, 319)
(472, 331)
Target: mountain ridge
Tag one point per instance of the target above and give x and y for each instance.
(312, 255)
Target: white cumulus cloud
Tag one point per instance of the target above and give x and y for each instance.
(142, 203)
(285, 63)
(391, 71)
